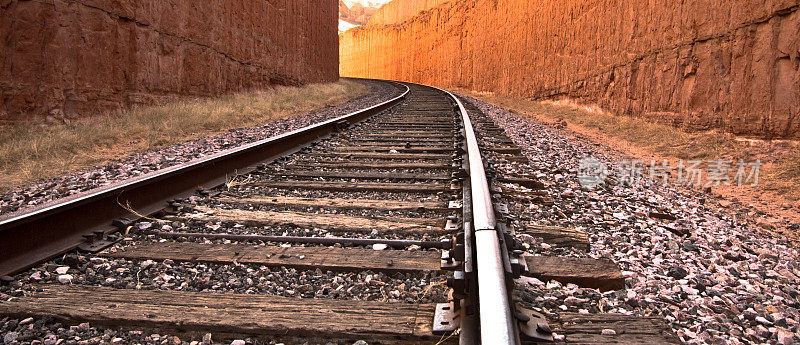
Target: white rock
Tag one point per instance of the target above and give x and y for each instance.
(785, 337)
(608, 331)
(238, 342)
(65, 279)
(763, 321)
(379, 246)
(574, 301)
(62, 270)
(530, 281)
(553, 284)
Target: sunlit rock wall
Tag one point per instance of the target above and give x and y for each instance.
(730, 64)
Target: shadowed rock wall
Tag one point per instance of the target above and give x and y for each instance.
(730, 64)
(74, 58)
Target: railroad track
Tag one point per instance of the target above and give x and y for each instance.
(387, 225)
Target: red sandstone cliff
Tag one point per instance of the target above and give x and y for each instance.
(731, 64)
(77, 57)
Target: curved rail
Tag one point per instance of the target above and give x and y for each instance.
(33, 237)
(496, 318)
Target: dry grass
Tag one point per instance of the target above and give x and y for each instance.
(780, 174)
(30, 152)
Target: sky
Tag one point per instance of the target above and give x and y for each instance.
(366, 3)
(344, 26)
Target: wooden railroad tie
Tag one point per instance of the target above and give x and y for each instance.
(588, 329)
(331, 222)
(431, 188)
(367, 165)
(326, 258)
(364, 175)
(228, 314)
(232, 314)
(381, 155)
(337, 203)
(557, 235)
(403, 149)
(602, 274)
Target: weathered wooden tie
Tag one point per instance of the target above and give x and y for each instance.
(364, 175)
(337, 203)
(557, 235)
(326, 258)
(522, 181)
(398, 141)
(381, 155)
(407, 135)
(367, 165)
(358, 186)
(404, 149)
(602, 274)
(330, 222)
(228, 315)
(588, 329)
(511, 150)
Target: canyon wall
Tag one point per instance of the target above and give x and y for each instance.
(72, 58)
(399, 11)
(729, 64)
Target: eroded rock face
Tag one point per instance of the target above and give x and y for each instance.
(730, 64)
(75, 58)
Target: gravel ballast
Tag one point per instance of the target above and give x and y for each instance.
(713, 275)
(47, 191)
(82, 269)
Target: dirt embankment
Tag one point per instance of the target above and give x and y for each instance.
(66, 59)
(729, 64)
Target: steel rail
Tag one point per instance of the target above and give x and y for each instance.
(36, 236)
(496, 318)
